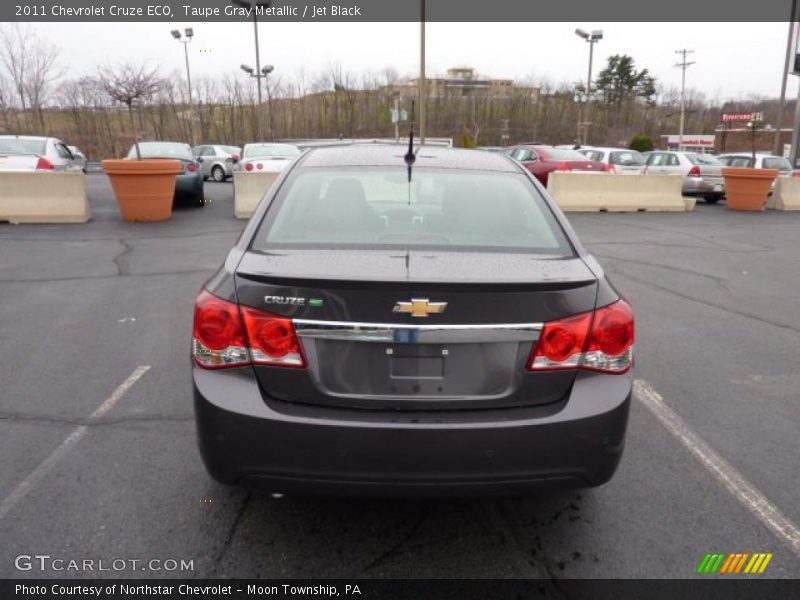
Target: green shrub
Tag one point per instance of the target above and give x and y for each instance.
(642, 143)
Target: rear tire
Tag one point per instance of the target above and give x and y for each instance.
(713, 199)
(218, 174)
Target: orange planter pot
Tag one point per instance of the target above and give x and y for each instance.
(747, 189)
(144, 188)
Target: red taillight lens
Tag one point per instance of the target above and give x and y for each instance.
(44, 165)
(219, 339)
(226, 335)
(599, 341)
(272, 339)
(248, 167)
(191, 167)
(564, 166)
(235, 158)
(694, 171)
(611, 169)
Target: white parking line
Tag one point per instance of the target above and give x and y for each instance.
(73, 438)
(744, 491)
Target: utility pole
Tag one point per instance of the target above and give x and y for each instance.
(776, 145)
(683, 65)
(423, 90)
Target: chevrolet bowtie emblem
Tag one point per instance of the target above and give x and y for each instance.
(420, 307)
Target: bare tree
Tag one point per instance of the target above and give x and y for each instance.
(130, 84)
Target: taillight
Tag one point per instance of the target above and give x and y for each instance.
(235, 158)
(248, 167)
(600, 340)
(226, 335)
(44, 165)
(564, 166)
(611, 169)
(694, 171)
(272, 339)
(219, 339)
(191, 167)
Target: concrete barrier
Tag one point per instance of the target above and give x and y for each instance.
(248, 190)
(786, 195)
(592, 192)
(44, 198)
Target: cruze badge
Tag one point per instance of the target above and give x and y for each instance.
(420, 307)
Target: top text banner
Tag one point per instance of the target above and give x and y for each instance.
(182, 11)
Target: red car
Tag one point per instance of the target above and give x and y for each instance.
(543, 160)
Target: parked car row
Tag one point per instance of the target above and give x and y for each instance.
(39, 153)
(702, 173)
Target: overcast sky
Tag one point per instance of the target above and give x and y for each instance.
(732, 59)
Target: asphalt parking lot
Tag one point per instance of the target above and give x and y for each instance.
(93, 474)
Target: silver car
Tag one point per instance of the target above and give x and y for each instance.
(35, 153)
(702, 173)
(80, 157)
(620, 161)
(217, 162)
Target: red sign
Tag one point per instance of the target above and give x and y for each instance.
(751, 116)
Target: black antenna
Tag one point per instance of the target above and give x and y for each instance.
(410, 157)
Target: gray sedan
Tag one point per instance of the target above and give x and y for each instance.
(216, 161)
(35, 153)
(702, 173)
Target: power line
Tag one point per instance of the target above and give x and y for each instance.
(684, 64)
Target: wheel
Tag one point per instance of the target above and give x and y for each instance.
(713, 199)
(218, 174)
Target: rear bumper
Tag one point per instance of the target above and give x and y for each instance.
(306, 450)
(697, 186)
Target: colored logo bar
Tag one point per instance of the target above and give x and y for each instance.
(738, 562)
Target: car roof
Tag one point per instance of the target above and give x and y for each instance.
(27, 137)
(392, 155)
(750, 155)
(608, 149)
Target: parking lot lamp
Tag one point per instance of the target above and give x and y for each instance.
(189, 34)
(253, 6)
(591, 38)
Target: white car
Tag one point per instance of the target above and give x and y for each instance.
(35, 153)
(267, 157)
(620, 161)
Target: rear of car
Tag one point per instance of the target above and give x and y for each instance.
(618, 161)
(447, 335)
(35, 154)
(543, 160)
(267, 158)
(702, 173)
(189, 182)
(762, 161)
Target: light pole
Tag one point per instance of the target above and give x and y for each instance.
(189, 33)
(254, 5)
(591, 38)
(423, 88)
(264, 72)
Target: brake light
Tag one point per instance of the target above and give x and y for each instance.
(248, 167)
(235, 158)
(611, 169)
(44, 165)
(694, 171)
(600, 340)
(219, 339)
(226, 335)
(272, 339)
(564, 166)
(191, 167)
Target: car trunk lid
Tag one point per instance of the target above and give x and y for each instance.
(353, 311)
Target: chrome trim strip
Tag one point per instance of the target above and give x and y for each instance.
(398, 333)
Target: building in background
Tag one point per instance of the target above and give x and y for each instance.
(464, 82)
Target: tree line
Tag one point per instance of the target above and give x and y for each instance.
(94, 113)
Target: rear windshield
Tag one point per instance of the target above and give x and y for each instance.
(704, 159)
(162, 150)
(593, 154)
(232, 149)
(777, 162)
(563, 154)
(441, 209)
(627, 158)
(271, 150)
(21, 146)
(737, 161)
